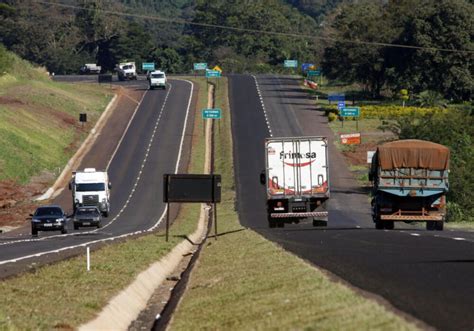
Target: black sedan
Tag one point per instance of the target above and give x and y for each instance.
(87, 216)
(48, 218)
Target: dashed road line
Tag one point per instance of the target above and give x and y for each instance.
(263, 106)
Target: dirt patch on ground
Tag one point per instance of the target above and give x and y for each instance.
(358, 155)
(4, 100)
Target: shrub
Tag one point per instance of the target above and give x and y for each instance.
(332, 117)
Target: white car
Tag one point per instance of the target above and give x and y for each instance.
(157, 78)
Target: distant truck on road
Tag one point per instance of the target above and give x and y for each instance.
(410, 182)
(91, 188)
(126, 71)
(296, 177)
(90, 68)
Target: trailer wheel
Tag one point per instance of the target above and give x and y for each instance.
(439, 226)
(271, 223)
(281, 224)
(431, 225)
(390, 225)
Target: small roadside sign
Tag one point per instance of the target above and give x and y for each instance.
(213, 74)
(217, 68)
(350, 139)
(212, 113)
(370, 155)
(150, 66)
(306, 66)
(200, 66)
(314, 72)
(350, 112)
(290, 64)
(341, 104)
(336, 97)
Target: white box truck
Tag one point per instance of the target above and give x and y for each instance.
(296, 177)
(91, 188)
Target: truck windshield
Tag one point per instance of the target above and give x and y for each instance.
(90, 187)
(127, 67)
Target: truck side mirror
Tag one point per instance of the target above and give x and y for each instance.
(110, 185)
(263, 178)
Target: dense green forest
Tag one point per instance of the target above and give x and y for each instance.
(350, 40)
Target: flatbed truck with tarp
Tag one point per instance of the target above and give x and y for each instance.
(410, 183)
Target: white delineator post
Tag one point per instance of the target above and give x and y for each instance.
(88, 258)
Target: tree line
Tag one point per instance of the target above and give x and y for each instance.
(63, 39)
(433, 25)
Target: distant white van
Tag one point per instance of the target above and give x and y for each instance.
(157, 78)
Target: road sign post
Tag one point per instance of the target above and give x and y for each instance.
(351, 112)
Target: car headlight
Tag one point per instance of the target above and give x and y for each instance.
(35, 220)
(59, 220)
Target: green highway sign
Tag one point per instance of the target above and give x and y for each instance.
(212, 73)
(350, 112)
(200, 66)
(314, 72)
(290, 64)
(212, 113)
(148, 66)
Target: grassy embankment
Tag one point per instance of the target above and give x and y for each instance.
(39, 128)
(65, 295)
(244, 282)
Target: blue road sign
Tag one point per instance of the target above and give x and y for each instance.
(150, 66)
(212, 113)
(306, 66)
(200, 66)
(290, 64)
(336, 97)
(350, 112)
(341, 104)
(213, 73)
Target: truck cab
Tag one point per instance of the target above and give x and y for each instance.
(91, 188)
(127, 71)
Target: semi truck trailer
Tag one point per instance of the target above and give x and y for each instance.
(410, 183)
(296, 178)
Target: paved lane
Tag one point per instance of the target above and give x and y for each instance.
(149, 149)
(426, 274)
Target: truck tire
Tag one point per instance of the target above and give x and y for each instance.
(271, 223)
(439, 226)
(76, 227)
(389, 225)
(106, 213)
(319, 223)
(431, 225)
(64, 230)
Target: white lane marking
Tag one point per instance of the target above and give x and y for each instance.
(125, 131)
(145, 159)
(415, 234)
(263, 106)
(179, 152)
(459, 238)
(115, 237)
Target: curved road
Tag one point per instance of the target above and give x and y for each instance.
(429, 275)
(157, 139)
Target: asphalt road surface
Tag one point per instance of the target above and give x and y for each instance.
(151, 146)
(427, 274)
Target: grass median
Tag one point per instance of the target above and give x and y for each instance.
(244, 282)
(65, 295)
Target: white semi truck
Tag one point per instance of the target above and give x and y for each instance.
(91, 188)
(126, 71)
(296, 177)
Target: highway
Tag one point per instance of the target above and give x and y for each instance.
(427, 274)
(136, 155)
